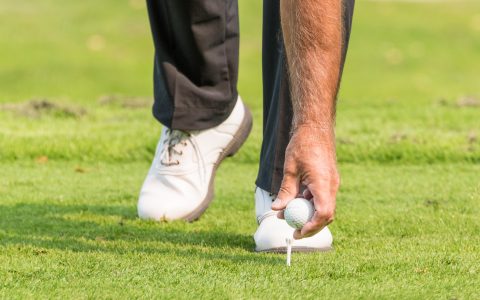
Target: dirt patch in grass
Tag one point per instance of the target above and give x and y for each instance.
(472, 140)
(432, 203)
(461, 102)
(126, 101)
(468, 101)
(37, 108)
(398, 137)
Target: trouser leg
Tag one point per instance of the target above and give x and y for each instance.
(196, 61)
(277, 105)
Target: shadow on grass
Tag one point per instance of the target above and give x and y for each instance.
(115, 229)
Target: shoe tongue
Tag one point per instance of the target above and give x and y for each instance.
(178, 135)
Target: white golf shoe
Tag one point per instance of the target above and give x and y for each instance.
(272, 232)
(179, 184)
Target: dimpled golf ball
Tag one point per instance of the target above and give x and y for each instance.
(298, 212)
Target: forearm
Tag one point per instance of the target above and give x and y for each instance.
(313, 36)
(312, 31)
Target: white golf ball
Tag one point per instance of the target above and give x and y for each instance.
(298, 212)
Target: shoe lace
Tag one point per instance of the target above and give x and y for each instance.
(174, 142)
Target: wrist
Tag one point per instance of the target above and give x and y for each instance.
(320, 128)
(320, 134)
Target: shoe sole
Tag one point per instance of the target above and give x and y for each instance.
(235, 144)
(295, 249)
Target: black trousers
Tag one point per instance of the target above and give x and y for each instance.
(196, 71)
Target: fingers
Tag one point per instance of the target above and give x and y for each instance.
(310, 229)
(281, 214)
(297, 235)
(319, 221)
(288, 191)
(324, 202)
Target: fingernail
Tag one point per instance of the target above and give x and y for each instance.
(297, 235)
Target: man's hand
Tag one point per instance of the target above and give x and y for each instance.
(310, 161)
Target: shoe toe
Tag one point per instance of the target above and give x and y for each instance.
(272, 233)
(151, 207)
(321, 241)
(162, 201)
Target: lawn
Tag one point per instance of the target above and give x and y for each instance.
(77, 137)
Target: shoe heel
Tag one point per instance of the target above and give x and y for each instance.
(241, 135)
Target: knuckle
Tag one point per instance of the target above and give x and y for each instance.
(317, 223)
(327, 216)
(331, 219)
(289, 173)
(284, 190)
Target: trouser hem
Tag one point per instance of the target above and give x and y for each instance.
(195, 118)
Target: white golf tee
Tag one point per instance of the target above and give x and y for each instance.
(289, 250)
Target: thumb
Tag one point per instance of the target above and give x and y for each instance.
(288, 191)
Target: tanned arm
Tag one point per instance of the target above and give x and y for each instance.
(312, 31)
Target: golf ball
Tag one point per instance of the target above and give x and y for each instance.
(298, 212)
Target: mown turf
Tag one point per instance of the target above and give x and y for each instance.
(76, 138)
(403, 231)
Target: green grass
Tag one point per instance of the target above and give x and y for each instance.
(408, 213)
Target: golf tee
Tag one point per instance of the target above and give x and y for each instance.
(289, 250)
